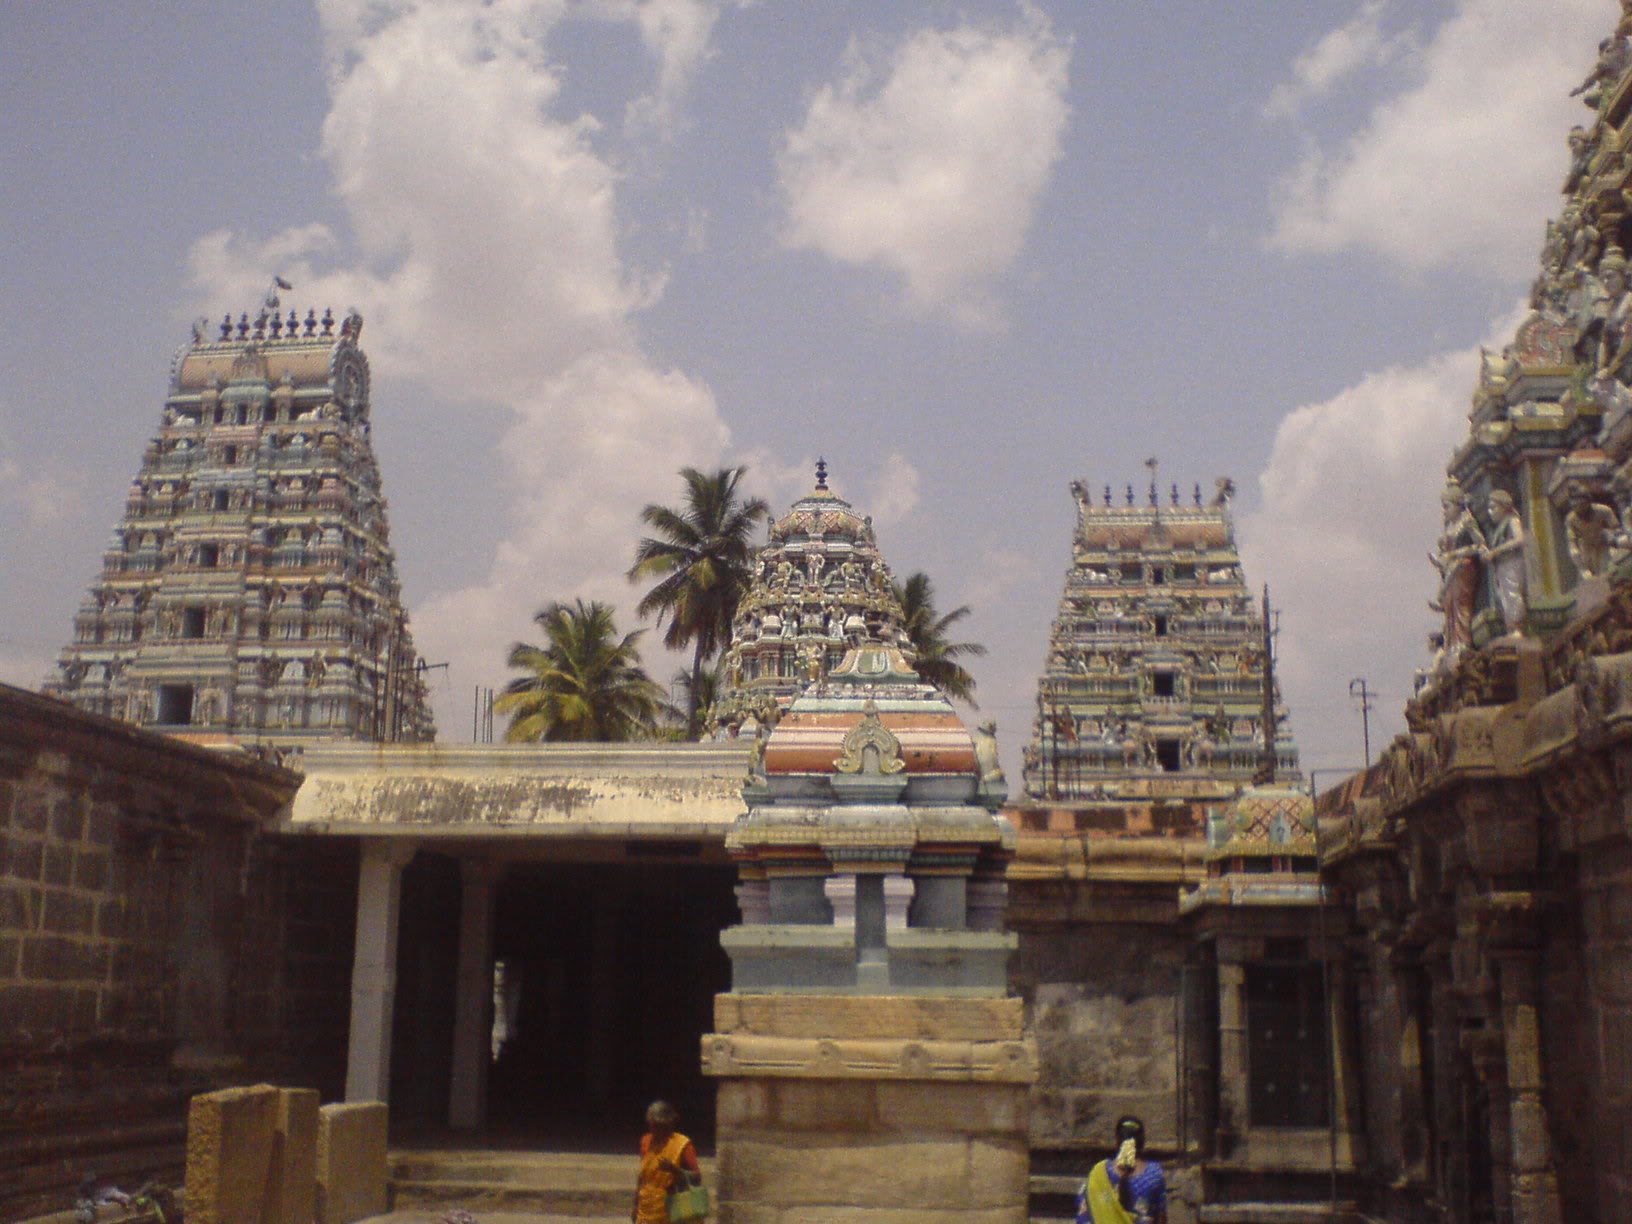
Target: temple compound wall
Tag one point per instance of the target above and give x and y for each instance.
(1102, 963)
(1488, 862)
(1485, 859)
(153, 944)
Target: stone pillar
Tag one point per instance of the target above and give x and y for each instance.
(754, 900)
(841, 895)
(603, 998)
(374, 968)
(988, 901)
(1234, 1103)
(898, 892)
(473, 996)
(1534, 1185)
(1345, 1105)
(1396, 995)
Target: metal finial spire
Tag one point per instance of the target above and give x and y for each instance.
(821, 474)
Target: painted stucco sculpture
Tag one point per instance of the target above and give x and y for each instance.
(250, 588)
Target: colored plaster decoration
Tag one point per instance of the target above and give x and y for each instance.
(1153, 688)
(1458, 559)
(1504, 558)
(871, 849)
(1535, 520)
(250, 589)
(1595, 537)
(870, 748)
(820, 587)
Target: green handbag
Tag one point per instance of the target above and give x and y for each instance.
(688, 1204)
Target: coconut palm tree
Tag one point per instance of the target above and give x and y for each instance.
(934, 655)
(701, 554)
(585, 683)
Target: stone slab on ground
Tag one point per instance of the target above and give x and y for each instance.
(294, 1184)
(351, 1162)
(231, 1154)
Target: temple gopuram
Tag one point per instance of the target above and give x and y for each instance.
(820, 587)
(1152, 699)
(250, 589)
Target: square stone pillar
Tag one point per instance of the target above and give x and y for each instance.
(841, 895)
(1234, 1106)
(873, 1109)
(898, 893)
(1535, 1183)
(374, 968)
(473, 996)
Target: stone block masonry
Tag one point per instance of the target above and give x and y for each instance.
(870, 1109)
(351, 1162)
(151, 946)
(233, 1165)
(266, 1155)
(867, 1151)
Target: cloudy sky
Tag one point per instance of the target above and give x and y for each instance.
(965, 251)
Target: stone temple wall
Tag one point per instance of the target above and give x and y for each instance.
(1597, 1040)
(1104, 1001)
(152, 944)
(1487, 858)
(1102, 969)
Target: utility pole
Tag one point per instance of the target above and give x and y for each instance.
(1358, 688)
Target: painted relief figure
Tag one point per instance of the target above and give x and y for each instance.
(1461, 545)
(1505, 558)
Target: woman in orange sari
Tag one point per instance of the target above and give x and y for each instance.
(665, 1157)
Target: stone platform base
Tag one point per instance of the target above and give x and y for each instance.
(858, 1110)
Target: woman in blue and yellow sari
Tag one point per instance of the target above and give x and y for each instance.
(1127, 1188)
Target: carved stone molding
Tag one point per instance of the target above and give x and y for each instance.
(747, 1055)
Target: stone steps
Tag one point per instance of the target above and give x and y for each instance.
(575, 1185)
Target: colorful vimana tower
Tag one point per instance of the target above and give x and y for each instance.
(1152, 701)
(820, 586)
(250, 589)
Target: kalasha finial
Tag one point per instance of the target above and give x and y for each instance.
(821, 475)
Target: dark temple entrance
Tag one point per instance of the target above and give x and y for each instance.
(607, 971)
(611, 972)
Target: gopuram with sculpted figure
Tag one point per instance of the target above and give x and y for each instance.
(1485, 861)
(1406, 1001)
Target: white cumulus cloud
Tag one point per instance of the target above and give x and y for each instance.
(1349, 514)
(928, 161)
(488, 265)
(1455, 169)
(1358, 44)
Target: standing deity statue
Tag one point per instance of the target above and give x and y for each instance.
(1584, 237)
(1612, 311)
(1460, 547)
(1582, 147)
(1504, 560)
(1608, 340)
